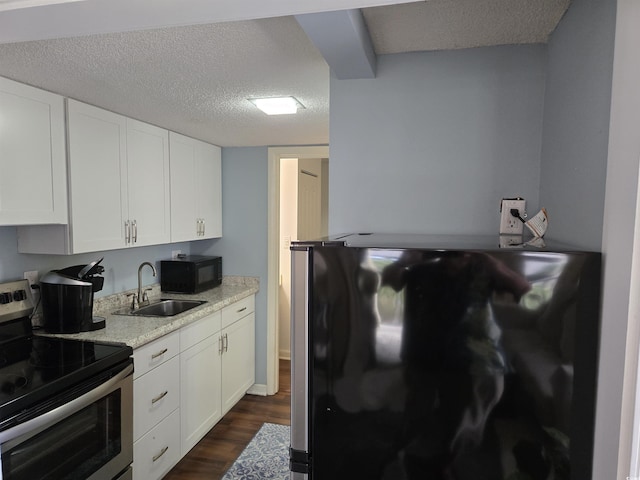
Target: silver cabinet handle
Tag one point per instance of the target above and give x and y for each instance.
(160, 353)
(226, 342)
(127, 233)
(241, 310)
(135, 231)
(162, 452)
(159, 397)
(220, 345)
(57, 414)
(204, 226)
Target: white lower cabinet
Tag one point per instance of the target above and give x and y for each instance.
(156, 412)
(186, 381)
(199, 379)
(217, 367)
(238, 356)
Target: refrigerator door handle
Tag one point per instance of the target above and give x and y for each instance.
(300, 274)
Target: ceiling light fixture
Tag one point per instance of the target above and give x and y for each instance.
(277, 105)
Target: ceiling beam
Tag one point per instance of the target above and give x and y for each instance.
(343, 39)
(25, 20)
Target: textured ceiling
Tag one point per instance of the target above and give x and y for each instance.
(193, 80)
(196, 79)
(451, 24)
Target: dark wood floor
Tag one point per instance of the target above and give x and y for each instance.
(217, 451)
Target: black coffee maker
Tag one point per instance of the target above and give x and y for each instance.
(67, 298)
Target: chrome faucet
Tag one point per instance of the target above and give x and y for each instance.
(143, 298)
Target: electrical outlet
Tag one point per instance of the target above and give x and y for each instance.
(509, 224)
(32, 276)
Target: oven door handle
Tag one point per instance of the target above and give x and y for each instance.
(53, 416)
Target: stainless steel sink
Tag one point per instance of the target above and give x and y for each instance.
(162, 308)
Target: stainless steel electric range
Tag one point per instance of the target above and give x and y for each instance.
(66, 406)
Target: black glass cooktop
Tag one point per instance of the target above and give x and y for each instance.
(34, 369)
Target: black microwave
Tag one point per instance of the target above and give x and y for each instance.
(190, 274)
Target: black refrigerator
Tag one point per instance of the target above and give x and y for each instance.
(442, 358)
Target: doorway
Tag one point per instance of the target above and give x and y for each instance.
(305, 156)
(303, 214)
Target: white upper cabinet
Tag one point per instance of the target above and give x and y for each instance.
(33, 186)
(196, 189)
(209, 175)
(118, 186)
(119, 175)
(107, 182)
(97, 178)
(148, 183)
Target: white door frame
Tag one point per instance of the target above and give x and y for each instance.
(273, 250)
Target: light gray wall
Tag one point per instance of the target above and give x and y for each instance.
(436, 140)
(121, 266)
(243, 246)
(572, 187)
(620, 245)
(576, 122)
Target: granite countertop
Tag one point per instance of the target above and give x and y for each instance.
(137, 331)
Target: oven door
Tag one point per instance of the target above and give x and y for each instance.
(87, 437)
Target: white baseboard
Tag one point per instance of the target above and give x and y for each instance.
(258, 389)
(285, 355)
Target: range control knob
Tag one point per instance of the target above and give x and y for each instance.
(5, 298)
(19, 295)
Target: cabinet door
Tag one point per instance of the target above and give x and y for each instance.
(199, 390)
(33, 184)
(238, 360)
(148, 183)
(209, 178)
(98, 179)
(182, 165)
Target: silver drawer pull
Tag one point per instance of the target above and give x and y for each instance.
(159, 397)
(242, 309)
(162, 452)
(160, 353)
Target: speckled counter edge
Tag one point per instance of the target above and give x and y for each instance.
(137, 331)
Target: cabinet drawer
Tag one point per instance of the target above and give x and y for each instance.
(197, 331)
(159, 450)
(236, 311)
(155, 395)
(155, 353)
